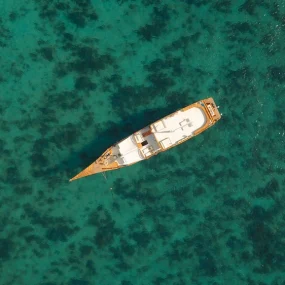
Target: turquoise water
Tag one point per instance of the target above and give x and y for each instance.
(76, 77)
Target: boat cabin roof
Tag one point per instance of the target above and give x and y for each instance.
(160, 135)
(178, 126)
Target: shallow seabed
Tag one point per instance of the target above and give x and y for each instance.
(76, 77)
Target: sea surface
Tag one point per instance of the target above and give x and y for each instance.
(78, 76)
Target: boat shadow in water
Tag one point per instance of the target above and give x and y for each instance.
(113, 133)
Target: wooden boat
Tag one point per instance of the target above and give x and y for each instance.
(159, 136)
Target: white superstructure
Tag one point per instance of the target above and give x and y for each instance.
(129, 151)
(179, 126)
(159, 136)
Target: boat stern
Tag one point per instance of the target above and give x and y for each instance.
(212, 109)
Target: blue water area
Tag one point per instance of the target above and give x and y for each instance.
(78, 76)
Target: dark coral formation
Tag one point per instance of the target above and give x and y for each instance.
(153, 30)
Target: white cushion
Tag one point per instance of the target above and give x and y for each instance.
(159, 126)
(166, 143)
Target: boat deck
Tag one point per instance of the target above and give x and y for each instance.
(138, 146)
(178, 126)
(161, 135)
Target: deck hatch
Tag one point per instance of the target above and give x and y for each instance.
(144, 143)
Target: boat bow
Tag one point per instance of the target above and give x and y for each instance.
(90, 170)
